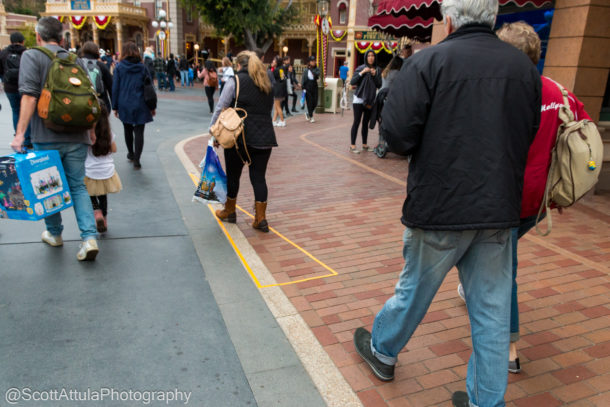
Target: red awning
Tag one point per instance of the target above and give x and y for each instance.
(414, 18)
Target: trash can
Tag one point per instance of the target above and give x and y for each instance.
(331, 95)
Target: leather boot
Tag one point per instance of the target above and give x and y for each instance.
(260, 222)
(227, 214)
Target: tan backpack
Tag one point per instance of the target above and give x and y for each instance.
(230, 125)
(576, 162)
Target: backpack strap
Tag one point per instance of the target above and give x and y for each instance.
(236, 90)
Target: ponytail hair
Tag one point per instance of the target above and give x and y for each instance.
(103, 134)
(256, 70)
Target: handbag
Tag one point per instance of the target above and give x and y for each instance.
(230, 125)
(150, 97)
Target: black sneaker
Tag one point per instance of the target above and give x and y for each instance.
(362, 342)
(137, 165)
(460, 399)
(130, 157)
(514, 366)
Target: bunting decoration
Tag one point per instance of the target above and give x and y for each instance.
(78, 21)
(376, 46)
(60, 18)
(101, 21)
(338, 35)
(323, 29)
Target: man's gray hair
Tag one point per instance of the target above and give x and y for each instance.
(49, 29)
(464, 12)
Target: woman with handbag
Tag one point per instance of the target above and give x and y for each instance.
(251, 94)
(210, 82)
(367, 78)
(309, 84)
(128, 100)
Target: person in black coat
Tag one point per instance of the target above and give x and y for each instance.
(91, 52)
(171, 72)
(367, 78)
(309, 83)
(256, 98)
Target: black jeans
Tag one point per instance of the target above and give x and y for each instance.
(311, 99)
(258, 169)
(138, 129)
(364, 114)
(209, 92)
(100, 202)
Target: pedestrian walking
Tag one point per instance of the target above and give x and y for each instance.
(523, 36)
(184, 71)
(159, 66)
(171, 70)
(227, 72)
(90, 53)
(210, 82)
(10, 58)
(367, 78)
(256, 98)
(279, 91)
(101, 177)
(72, 147)
(468, 153)
(289, 86)
(309, 84)
(293, 85)
(191, 75)
(128, 100)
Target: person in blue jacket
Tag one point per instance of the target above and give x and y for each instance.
(128, 100)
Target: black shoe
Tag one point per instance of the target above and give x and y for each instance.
(294, 110)
(460, 399)
(130, 157)
(137, 165)
(514, 366)
(287, 114)
(362, 342)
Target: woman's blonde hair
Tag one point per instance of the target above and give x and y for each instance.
(256, 70)
(226, 62)
(522, 36)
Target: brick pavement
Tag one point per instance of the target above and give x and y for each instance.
(345, 209)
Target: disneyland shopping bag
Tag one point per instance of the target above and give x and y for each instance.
(303, 98)
(212, 187)
(33, 185)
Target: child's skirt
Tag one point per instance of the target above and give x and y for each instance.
(97, 187)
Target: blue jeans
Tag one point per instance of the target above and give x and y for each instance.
(161, 81)
(73, 157)
(517, 233)
(184, 78)
(483, 259)
(171, 82)
(15, 100)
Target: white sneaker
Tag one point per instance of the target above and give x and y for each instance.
(306, 116)
(88, 250)
(275, 124)
(312, 120)
(51, 240)
(281, 124)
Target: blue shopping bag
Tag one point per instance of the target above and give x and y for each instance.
(212, 187)
(33, 185)
(303, 98)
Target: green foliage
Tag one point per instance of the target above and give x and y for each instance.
(252, 22)
(30, 35)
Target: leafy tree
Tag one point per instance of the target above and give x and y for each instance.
(254, 23)
(30, 35)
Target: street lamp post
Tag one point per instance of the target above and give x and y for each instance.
(196, 54)
(323, 12)
(165, 26)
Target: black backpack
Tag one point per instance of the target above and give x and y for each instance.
(11, 69)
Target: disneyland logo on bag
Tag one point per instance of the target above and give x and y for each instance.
(40, 160)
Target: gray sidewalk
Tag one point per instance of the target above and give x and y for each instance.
(166, 306)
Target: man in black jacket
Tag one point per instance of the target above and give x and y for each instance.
(10, 58)
(466, 110)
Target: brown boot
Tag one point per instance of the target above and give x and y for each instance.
(227, 214)
(260, 222)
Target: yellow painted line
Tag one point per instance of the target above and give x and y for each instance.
(195, 180)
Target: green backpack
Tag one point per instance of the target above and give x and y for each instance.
(68, 102)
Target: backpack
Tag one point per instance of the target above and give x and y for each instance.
(576, 161)
(96, 76)
(11, 69)
(212, 80)
(68, 102)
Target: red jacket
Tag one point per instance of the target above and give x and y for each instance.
(539, 156)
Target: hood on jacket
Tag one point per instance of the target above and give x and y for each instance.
(132, 65)
(366, 56)
(16, 49)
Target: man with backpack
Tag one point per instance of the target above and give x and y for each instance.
(10, 59)
(159, 66)
(36, 73)
(98, 72)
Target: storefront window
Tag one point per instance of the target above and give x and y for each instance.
(342, 13)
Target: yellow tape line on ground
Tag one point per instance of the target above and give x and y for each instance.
(195, 179)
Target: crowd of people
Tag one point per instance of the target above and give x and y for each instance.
(477, 170)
